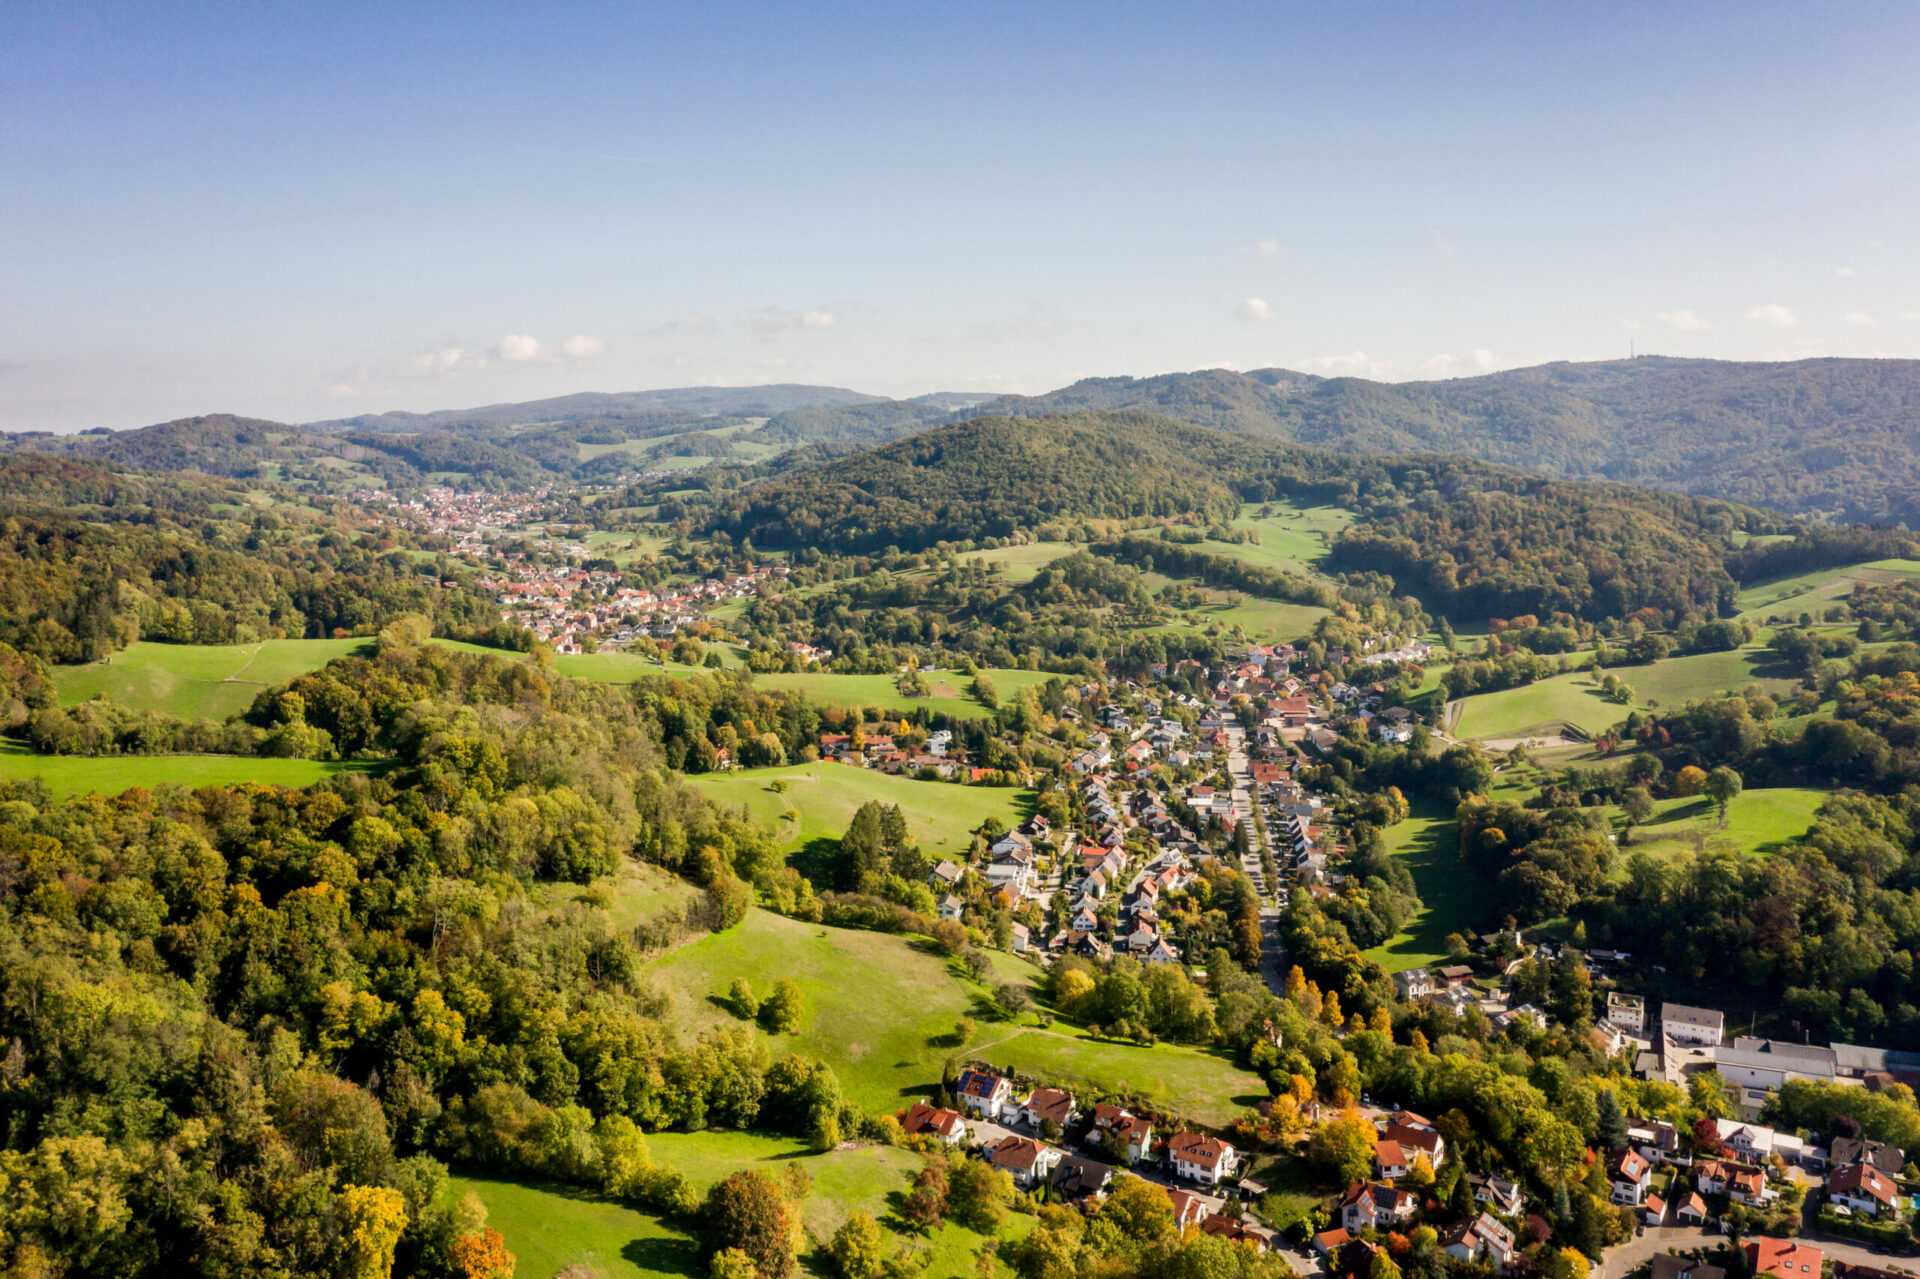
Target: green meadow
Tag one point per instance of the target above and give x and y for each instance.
(1545, 708)
(1758, 821)
(883, 1010)
(197, 681)
(1812, 592)
(66, 775)
(950, 691)
(1020, 564)
(1428, 843)
(821, 798)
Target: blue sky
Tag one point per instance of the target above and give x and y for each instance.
(311, 212)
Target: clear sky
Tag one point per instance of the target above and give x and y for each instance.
(312, 211)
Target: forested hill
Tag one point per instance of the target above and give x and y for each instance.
(1816, 437)
(1469, 538)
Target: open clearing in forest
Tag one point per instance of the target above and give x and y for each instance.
(821, 799)
(1428, 843)
(1545, 708)
(882, 1011)
(66, 775)
(197, 681)
(1758, 821)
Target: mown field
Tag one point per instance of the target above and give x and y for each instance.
(822, 797)
(1428, 843)
(1293, 539)
(66, 775)
(196, 681)
(883, 1009)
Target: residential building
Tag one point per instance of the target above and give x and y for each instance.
(984, 1094)
(1077, 1178)
(1497, 1193)
(1390, 1161)
(1478, 1238)
(1188, 1209)
(1029, 1161)
(1627, 1012)
(1415, 983)
(1785, 1258)
(1862, 1150)
(1371, 1206)
(1201, 1158)
(1129, 1131)
(1631, 1175)
(925, 1118)
(1865, 1189)
(1049, 1104)
(1687, 1025)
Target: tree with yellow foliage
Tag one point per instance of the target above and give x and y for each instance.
(483, 1256)
(371, 1219)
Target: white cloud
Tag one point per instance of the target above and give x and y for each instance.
(582, 346)
(1685, 321)
(1259, 310)
(1859, 317)
(519, 348)
(343, 390)
(1266, 249)
(1775, 314)
(1467, 365)
(1443, 244)
(448, 359)
(1912, 315)
(1844, 272)
(1352, 364)
(769, 322)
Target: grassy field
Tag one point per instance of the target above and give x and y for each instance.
(637, 892)
(1427, 843)
(1264, 621)
(1019, 564)
(196, 681)
(1812, 592)
(950, 690)
(882, 1011)
(1293, 539)
(822, 797)
(1543, 708)
(1758, 821)
(67, 775)
(550, 1227)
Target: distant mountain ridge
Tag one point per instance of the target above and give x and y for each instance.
(1828, 438)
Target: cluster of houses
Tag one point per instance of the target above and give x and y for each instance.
(546, 598)
(1403, 1139)
(884, 752)
(988, 1117)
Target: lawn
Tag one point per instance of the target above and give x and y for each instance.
(1264, 620)
(882, 1011)
(196, 681)
(821, 798)
(1758, 821)
(1449, 896)
(1674, 682)
(67, 775)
